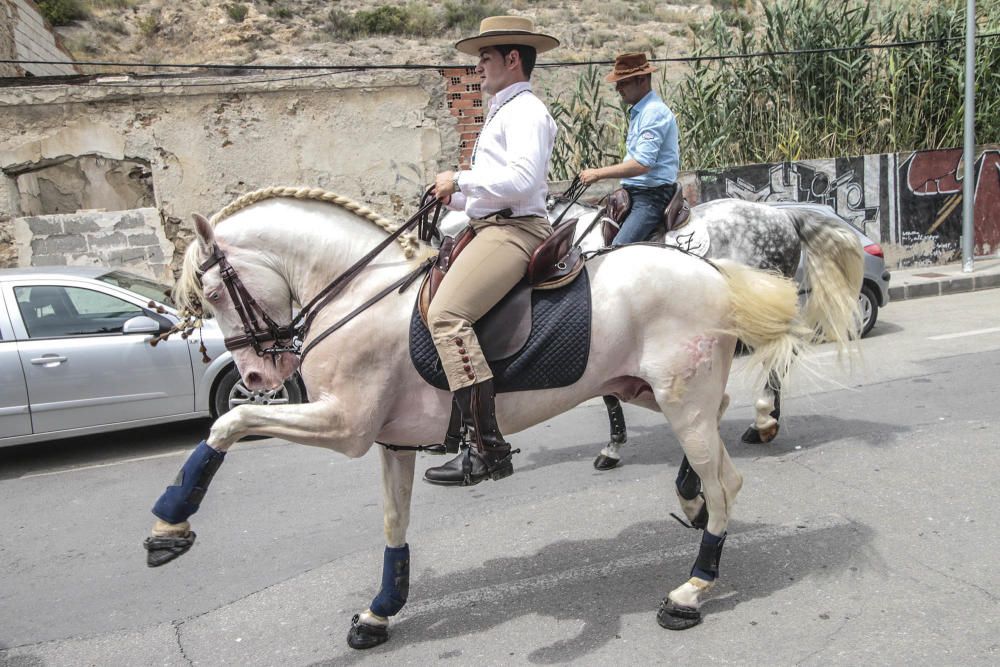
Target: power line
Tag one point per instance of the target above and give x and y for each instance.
(366, 67)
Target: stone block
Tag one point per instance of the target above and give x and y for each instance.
(81, 226)
(922, 289)
(131, 221)
(125, 256)
(43, 226)
(987, 281)
(113, 240)
(48, 260)
(58, 245)
(956, 285)
(141, 240)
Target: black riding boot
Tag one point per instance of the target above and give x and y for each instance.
(488, 455)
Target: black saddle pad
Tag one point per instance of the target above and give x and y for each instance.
(555, 354)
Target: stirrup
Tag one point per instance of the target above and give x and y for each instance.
(500, 468)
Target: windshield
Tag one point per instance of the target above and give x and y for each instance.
(140, 285)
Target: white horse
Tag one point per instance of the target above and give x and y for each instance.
(268, 251)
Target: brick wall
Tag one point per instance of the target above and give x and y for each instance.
(466, 103)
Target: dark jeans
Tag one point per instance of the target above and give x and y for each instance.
(648, 205)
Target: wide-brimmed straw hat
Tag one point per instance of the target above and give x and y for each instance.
(515, 30)
(629, 65)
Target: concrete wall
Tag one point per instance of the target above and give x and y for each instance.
(376, 138)
(26, 35)
(910, 203)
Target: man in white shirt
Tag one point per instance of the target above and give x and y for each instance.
(503, 193)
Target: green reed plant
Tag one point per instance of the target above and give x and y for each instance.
(769, 109)
(591, 127)
(810, 105)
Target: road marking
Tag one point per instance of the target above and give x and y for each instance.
(964, 334)
(535, 585)
(106, 465)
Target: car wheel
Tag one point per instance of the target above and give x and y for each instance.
(230, 392)
(869, 309)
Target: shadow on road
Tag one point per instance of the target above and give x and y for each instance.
(637, 577)
(656, 445)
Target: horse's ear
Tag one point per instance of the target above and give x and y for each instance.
(203, 228)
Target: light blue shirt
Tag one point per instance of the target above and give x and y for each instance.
(653, 142)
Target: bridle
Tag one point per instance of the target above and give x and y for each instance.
(266, 336)
(258, 327)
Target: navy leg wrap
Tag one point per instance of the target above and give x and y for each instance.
(688, 483)
(617, 419)
(182, 499)
(395, 581)
(707, 565)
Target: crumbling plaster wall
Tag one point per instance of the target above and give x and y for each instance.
(377, 138)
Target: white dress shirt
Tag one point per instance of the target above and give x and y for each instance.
(511, 161)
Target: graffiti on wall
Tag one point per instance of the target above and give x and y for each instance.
(930, 200)
(840, 184)
(909, 202)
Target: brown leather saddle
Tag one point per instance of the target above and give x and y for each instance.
(506, 327)
(619, 204)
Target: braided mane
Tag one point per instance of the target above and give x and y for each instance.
(187, 289)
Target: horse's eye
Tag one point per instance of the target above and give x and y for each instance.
(212, 296)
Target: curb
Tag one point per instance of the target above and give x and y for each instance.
(942, 287)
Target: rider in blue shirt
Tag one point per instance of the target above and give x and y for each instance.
(649, 170)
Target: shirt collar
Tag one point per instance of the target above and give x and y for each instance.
(509, 92)
(646, 99)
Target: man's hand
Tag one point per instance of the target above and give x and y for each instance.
(444, 186)
(589, 176)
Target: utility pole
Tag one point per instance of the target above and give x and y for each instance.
(969, 182)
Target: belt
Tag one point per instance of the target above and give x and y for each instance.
(664, 186)
(509, 215)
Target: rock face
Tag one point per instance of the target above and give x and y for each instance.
(307, 31)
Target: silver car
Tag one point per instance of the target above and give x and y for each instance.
(75, 358)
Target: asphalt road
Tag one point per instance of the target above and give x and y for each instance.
(863, 534)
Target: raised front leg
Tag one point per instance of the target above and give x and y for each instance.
(371, 627)
(325, 423)
(609, 456)
(311, 423)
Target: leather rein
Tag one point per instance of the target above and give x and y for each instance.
(259, 329)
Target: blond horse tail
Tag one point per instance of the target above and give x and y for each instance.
(764, 314)
(834, 268)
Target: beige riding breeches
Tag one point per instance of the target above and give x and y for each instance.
(493, 262)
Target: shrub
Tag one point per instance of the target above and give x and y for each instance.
(62, 12)
(467, 15)
(237, 11)
(148, 25)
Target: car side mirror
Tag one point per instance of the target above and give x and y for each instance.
(140, 324)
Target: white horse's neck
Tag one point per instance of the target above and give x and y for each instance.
(309, 243)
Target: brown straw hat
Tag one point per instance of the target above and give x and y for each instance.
(515, 30)
(629, 65)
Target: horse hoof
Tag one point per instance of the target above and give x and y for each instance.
(162, 550)
(362, 635)
(673, 616)
(603, 462)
